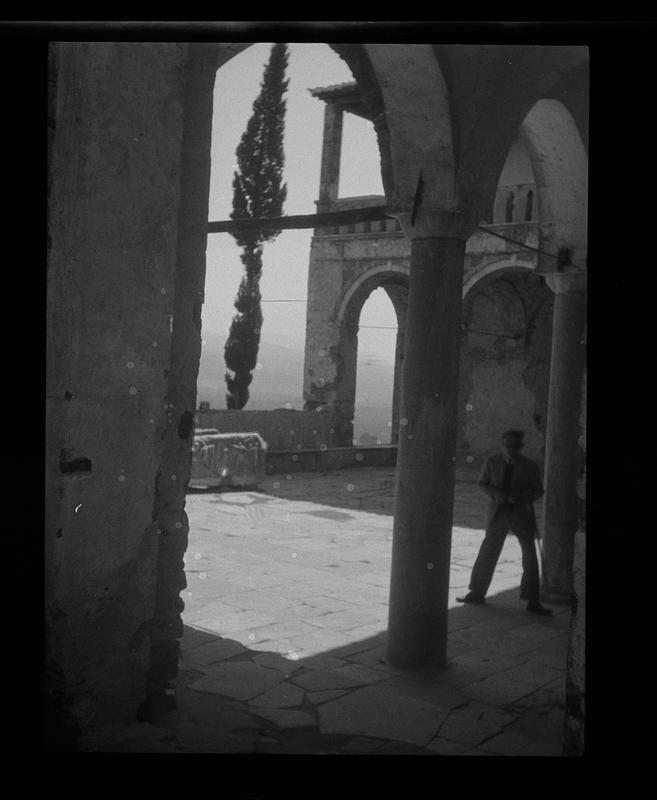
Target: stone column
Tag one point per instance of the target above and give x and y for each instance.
(563, 455)
(422, 532)
(331, 147)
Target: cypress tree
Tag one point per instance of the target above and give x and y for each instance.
(258, 191)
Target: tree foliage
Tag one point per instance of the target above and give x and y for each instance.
(258, 191)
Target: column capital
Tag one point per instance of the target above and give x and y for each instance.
(566, 282)
(435, 223)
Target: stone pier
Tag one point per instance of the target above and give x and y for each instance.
(563, 457)
(417, 626)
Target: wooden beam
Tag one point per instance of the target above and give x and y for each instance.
(345, 217)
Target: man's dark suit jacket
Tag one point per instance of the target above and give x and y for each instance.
(526, 482)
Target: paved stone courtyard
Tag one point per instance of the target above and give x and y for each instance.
(285, 618)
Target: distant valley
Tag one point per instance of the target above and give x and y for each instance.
(278, 380)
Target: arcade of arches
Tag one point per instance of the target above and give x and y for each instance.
(128, 174)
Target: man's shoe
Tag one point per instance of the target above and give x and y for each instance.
(475, 599)
(537, 608)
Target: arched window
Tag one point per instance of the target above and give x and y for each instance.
(529, 207)
(509, 208)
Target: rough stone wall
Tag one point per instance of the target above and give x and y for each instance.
(114, 202)
(504, 369)
(505, 382)
(336, 265)
(180, 402)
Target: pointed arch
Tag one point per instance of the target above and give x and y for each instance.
(419, 121)
(560, 166)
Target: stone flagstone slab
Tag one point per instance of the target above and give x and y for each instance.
(323, 662)
(383, 714)
(323, 697)
(497, 690)
(506, 744)
(320, 679)
(533, 673)
(213, 651)
(472, 725)
(362, 673)
(282, 696)
(285, 718)
(445, 747)
(278, 662)
(241, 681)
(541, 748)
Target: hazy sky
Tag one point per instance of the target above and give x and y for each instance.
(285, 270)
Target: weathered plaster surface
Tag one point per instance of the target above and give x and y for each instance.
(175, 466)
(504, 380)
(343, 271)
(114, 204)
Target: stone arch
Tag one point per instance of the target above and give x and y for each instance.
(419, 124)
(373, 278)
(512, 77)
(560, 166)
(394, 280)
(500, 265)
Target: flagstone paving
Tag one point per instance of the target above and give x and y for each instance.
(285, 618)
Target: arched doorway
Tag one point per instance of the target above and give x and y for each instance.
(375, 371)
(394, 281)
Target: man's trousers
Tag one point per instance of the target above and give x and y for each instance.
(523, 526)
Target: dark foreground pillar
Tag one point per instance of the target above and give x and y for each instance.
(417, 625)
(563, 455)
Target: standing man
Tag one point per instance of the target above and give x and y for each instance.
(512, 482)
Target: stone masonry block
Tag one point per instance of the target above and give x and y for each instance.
(228, 458)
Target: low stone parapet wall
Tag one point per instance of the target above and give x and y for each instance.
(330, 458)
(281, 428)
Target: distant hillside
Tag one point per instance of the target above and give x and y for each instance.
(279, 380)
